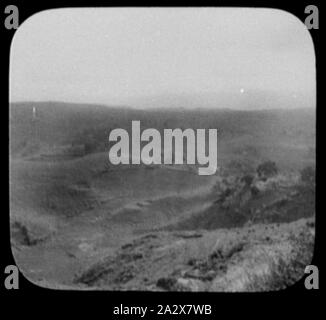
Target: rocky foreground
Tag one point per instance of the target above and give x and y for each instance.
(252, 258)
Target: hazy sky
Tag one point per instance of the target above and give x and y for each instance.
(116, 55)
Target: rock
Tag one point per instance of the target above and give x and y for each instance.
(225, 248)
(192, 273)
(190, 285)
(124, 276)
(192, 262)
(85, 247)
(166, 283)
(210, 275)
(260, 186)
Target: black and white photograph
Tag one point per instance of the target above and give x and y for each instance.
(162, 149)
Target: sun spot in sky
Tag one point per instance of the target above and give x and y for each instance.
(241, 90)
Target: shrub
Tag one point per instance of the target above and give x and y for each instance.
(247, 179)
(267, 169)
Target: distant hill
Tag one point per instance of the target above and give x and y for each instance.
(59, 123)
(249, 99)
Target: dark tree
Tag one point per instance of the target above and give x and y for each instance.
(267, 169)
(247, 179)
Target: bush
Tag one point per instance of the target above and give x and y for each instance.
(247, 179)
(267, 169)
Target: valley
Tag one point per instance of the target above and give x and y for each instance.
(78, 221)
